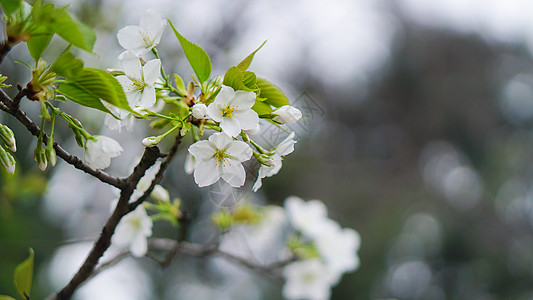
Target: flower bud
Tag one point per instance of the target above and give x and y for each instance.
(40, 157)
(7, 136)
(287, 114)
(7, 161)
(160, 194)
(151, 141)
(50, 154)
(199, 111)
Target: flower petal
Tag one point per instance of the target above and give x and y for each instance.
(230, 126)
(220, 140)
(132, 66)
(152, 25)
(206, 173)
(147, 97)
(130, 37)
(244, 100)
(126, 83)
(225, 96)
(233, 173)
(139, 246)
(214, 112)
(240, 151)
(151, 71)
(202, 151)
(248, 119)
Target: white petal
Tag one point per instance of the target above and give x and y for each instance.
(190, 164)
(244, 100)
(248, 119)
(202, 151)
(239, 150)
(220, 140)
(126, 83)
(151, 71)
(214, 112)
(134, 98)
(152, 24)
(225, 96)
(286, 146)
(148, 97)
(233, 173)
(139, 246)
(206, 173)
(130, 37)
(257, 185)
(230, 126)
(132, 67)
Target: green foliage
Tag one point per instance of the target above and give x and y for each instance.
(49, 19)
(273, 94)
(23, 276)
(245, 63)
(10, 6)
(38, 43)
(92, 87)
(3, 297)
(197, 57)
(262, 108)
(240, 80)
(67, 65)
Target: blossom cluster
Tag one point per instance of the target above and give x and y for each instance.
(327, 250)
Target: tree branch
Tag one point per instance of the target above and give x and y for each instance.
(148, 159)
(62, 153)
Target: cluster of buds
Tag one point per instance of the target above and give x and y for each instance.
(8, 143)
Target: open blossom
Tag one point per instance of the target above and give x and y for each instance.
(133, 231)
(220, 157)
(141, 39)
(284, 148)
(138, 81)
(99, 152)
(233, 109)
(338, 247)
(287, 114)
(309, 279)
(307, 217)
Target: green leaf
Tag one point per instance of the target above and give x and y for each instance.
(4, 297)
(273, 94)
(261, 108)
(38, 43)
(10, 6)
(23, 276)
(74, 32)
(78, 94)
(67, 65)
(245, 63)
(240, 80)
(199, 60)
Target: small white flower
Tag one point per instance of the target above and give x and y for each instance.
(133, 231)
(307, 217)
(160, 193)
(141, 39)
(99, 152)
(308, 279)
(233, 109)
(138, 83)
(338, 247)
(287, 114)
(284, 148)
(199, 111)
(220, 157)
(190, 164)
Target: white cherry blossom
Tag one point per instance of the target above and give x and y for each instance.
(307, 217)
(138, 81)
(141, 39)
(309, 279)
(278, 152)
(220, 157)
(133, 231)
(98, 152)
(287, 114)
(233, 109)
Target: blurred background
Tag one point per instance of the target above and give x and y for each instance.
(416, 134)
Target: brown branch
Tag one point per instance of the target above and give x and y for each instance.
(160, 173)
(62, 153)
(104, 241)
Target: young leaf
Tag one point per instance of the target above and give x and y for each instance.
(23, 276)
(109, 88)
(4, 297)
(240, 80)
(245, 63)
(199, 60)
(10, 6)
(261, 108)
(78, 94)
(274, 96)
(74, 32)
(67, 65)
(38, 43)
